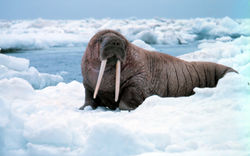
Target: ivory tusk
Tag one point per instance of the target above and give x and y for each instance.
(117, 79)
(102, 68)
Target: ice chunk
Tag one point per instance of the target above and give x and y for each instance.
(19, 67)
(147, 36)
(14, 63)
(143, 45)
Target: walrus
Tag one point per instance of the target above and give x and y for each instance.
(119, 74)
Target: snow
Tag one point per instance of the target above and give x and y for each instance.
(214, 121)
(19, 67)
(41, 33)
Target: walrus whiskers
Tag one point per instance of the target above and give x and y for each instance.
(102, 68)
(117, 79)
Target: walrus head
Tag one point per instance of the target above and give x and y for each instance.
(112, 52)
(112, 48)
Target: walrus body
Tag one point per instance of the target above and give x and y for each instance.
(142, 74)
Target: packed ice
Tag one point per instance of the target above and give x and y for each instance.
(214, 121)
(41, 33)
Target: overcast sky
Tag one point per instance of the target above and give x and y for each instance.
(78, 9)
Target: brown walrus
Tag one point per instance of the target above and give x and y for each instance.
(118, 74)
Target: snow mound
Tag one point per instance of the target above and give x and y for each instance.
(19, 67)
(214, 121)
(41, 33)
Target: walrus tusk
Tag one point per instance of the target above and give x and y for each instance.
(103, 64)
(117, 79)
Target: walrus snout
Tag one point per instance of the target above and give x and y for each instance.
(112, 48)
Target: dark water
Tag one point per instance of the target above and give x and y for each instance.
(66, 61)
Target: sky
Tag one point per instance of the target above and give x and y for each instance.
(79, 9)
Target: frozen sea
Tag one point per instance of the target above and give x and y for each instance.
(41, 90)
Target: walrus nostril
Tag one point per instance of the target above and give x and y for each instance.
(114, 43)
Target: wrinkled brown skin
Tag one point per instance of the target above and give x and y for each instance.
(144, 73)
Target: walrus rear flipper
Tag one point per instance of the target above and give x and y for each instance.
(231, 70)
(210, 73)
(222, 70)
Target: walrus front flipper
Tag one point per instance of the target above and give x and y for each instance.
(89, 101)
(210, 73)
(130, 99)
